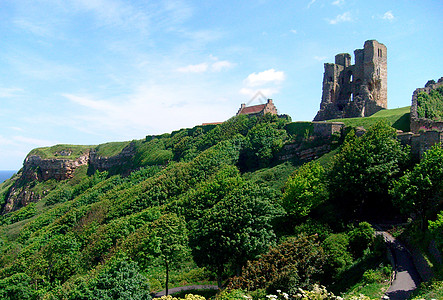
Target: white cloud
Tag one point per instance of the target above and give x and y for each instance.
(9, 92)
(293, 31)
(37, 29)
(311, 2)
(265, 77)
(338, 2)
(152, 109)
(199, 68)
(344, 17)
(267, 83)
(216, 66)
(388, 16)
(267, 92)
(32, 141)
(114, 13)
(320, 58)
(222, 65)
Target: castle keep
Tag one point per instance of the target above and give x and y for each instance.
(358, 90)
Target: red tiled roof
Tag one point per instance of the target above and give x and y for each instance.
(212, 123)
(252, 109)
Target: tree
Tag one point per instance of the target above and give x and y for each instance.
(17, 287)
(336, 249)
(297, 262)
(235, 229)
(120, 279)
(421, 190)
(305, 190)
(264, 140)
(436, 229)
(171, 237)
(363, 171)
(360, 238)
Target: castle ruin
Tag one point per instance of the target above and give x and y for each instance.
(358, 90)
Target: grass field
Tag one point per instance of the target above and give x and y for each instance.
(57, 151)
(399, 118)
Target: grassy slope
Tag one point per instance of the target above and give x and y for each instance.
(399, 118)
(54, 151)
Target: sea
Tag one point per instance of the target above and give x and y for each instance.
(6, 174)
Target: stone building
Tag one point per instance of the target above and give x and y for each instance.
(258, 110)
(418, 123)
(357, 90)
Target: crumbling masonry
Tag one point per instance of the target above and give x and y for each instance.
(358, 90)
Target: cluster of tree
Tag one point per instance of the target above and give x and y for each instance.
(91, 236)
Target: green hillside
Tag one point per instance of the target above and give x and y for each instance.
(210, 204)
(399, 118)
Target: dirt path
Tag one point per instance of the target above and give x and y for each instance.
(406, 277)
(186, 288)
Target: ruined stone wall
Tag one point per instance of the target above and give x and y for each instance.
(421, 123)
(358, 90)
(327, 129)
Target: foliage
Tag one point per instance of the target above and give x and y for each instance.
(297, 262)
(430, 106)
(313, 227)
(429, 290)
(436, 229)
(17, 287)
(187, 297)
(105, 235)
(421, 190)
(232, 294)
(264, 140)
(273, 177)
(337, 253)
(22, 214)
(363, 170)
(120, 279)
(110, 149)
(235, 229)
(297, 130)
(361, 238)
(170, 241)
(305, 190)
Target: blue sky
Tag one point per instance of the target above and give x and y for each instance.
(94, 71)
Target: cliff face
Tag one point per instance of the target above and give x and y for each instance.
(36, 168)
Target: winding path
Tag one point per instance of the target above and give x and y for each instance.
(406, 278)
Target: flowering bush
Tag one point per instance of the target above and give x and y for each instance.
(316, 293)
(187, 297)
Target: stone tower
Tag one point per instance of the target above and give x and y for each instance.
(358, 90)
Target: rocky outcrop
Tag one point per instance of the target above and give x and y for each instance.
(37, 168)
(103, 163)
(19, 196)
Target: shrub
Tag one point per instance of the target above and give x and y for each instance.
(338, 256)
(361, 238)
